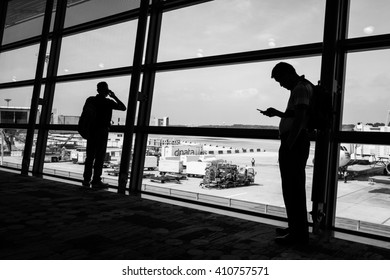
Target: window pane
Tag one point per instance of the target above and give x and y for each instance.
(228, 26)
(69, 99)
(103, 48)
(24, 20)
(19, 64)
(66, 152)
(224, 96)
(190, 156)
(367, 88)
(368, 18)
(15, 101)
(81, 11)
(363, 188)
(11, 147)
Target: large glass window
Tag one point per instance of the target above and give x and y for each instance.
(367, 86)
(70, 97)
(81, 11)
(228, 26)
(233, 172)
(100, 49)
(363, 188)
(368, 18)
(224, 96)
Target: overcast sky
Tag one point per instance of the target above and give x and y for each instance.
(219, 95)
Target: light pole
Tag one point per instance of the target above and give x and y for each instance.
(2, 146)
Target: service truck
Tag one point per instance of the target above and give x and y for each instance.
(151, 162)
(197, 168)
(170, 166)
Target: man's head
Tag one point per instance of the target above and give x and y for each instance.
(285, 75)
(102, 88)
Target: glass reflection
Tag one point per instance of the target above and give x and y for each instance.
(81, 11)
(24, 20)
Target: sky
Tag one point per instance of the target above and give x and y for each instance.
(221, 95)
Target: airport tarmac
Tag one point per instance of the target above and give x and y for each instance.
(358, 200)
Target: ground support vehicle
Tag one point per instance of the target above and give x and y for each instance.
(226, 175)
(168, 177)
(170, 166)
(198, 168)
(151, 162)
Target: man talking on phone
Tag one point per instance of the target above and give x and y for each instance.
(293, 151)
(103, 103)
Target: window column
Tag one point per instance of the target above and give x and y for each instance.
(48, 97)
(37, 87)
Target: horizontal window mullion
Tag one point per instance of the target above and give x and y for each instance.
(243, 57)
(382, 138)
(367, 43)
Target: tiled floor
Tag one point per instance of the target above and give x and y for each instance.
(44, 219)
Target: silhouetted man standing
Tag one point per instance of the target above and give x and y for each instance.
(97, 140)
(293, 152)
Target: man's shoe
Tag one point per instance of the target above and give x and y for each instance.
(100, 185)
(289, 240)
(282, 231)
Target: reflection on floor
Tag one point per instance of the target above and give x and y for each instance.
(44, 219)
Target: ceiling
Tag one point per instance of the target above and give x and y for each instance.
(21, 10)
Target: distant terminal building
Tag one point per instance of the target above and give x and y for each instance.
(158, 142)
(160, 121)
(68, 119)
(14, 115)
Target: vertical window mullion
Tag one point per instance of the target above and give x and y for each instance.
(147, 90)
(47, 101)
(133, 94)
(37, 87)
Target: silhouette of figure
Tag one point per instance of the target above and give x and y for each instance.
(253, 162)
(293, 152)
(97, 140)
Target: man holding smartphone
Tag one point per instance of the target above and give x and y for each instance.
(103, 104)
(293, 151)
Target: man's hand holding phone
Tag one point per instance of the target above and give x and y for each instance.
(270, 112)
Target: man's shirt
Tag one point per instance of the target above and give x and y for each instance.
(300, 95)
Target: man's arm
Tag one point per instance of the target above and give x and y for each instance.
(272, 112)
(120, 105)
